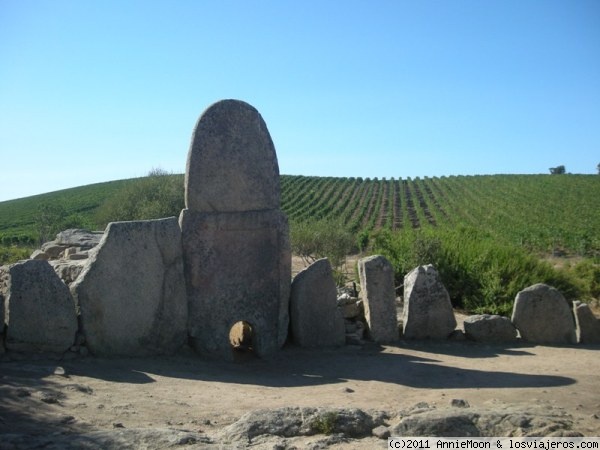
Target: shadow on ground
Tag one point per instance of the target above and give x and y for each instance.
(294, 367)
(30, 389)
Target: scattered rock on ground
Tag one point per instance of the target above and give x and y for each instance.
(490, 328)
(470, 422)
(295, 421)
(121, 438)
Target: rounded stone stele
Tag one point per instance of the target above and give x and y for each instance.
(542, 316)
(232, 164)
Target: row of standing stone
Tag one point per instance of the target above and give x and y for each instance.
(318, 318)
(541, 314)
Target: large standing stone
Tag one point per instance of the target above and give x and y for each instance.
(1, 320)
(379, 298)
(315, 318)
(1, 304)
(131, 293)
(490, 328)
(39, 309)
(235, 238)
(427, 308)
(238, 268)
(542, 316)
(588, 326)
(231, 165)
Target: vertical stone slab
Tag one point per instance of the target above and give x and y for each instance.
(427, 309)
(542, 316)
(315, 318)
(1, 317)
(237, 268)
(236, 248)
(1, 305)
(379, 298)
(588, 326)
(131, 293)
(39, 309)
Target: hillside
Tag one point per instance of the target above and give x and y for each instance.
(544, 213)
(19, 219)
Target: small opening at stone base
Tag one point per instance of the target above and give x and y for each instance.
(241, 339)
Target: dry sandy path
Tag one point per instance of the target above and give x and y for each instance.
(192, 393)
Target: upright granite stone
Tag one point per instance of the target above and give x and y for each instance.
(315, 318)
(39, 309)
(131, 293)
(542, 316)
(236, 246)
(1, 307)
(427, 309)
(588, 326)
(1, 320)
(379, 298)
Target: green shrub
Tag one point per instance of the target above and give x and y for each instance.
(482, 275)
(53, 217)
(158, 195)
(362, 241)
(586, 274)
(12, 254)
(323, 239)
(325, 423)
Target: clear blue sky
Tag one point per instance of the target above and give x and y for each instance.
(95, 91)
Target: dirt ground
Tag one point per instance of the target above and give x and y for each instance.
(192, 393)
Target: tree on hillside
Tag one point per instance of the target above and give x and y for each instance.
(48, 219)
(558, 170)
(54, 217)
(323, 239)
(598, 168)
(160, 194)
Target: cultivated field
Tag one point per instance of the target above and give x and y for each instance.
(543, 212)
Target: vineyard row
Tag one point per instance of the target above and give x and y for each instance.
(543, 212)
